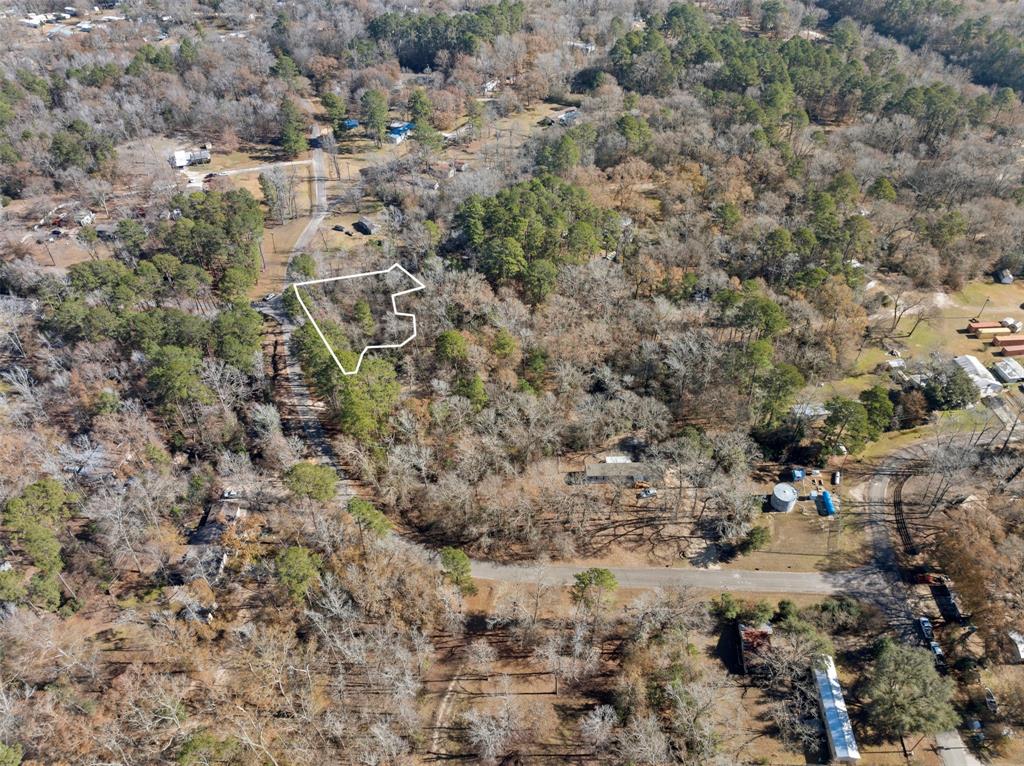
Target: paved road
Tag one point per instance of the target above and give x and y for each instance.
(819, 583)
(953, 751)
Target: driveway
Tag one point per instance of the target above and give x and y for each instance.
(318, 210)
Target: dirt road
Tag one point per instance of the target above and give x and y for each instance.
(895, 604)
(318, 210)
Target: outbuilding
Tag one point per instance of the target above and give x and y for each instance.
(1009, 370)
(973, 327)
(364, 226)
(627, 472)
(399, 131)
(182, 158)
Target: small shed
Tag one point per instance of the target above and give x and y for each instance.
(569, 117)
(106, 231)
(399, 131)
(365, 226)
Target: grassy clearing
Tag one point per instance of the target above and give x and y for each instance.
(959, 420)
(803, 541)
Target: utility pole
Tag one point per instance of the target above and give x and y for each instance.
(987, 299)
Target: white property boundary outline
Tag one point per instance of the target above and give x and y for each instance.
(394, 308)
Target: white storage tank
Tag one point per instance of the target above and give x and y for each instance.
(784, 497)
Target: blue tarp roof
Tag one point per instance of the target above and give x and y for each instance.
(398, 130)
(349, 124)
(833, 709)
(827, 506)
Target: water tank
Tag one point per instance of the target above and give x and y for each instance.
(828, 508)
(783, 497)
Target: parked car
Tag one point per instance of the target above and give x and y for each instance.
(230, 494)
(925, 626)
(837, 478)
(990, 701)
(269, 297)
(938, 654)
(647, 492)
(929, 578)
(339, 227)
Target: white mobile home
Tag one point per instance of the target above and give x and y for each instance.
(841, 743)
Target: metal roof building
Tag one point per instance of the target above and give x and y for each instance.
(1010, 370)
(841, 742)
(629, 472)
(983, 380)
